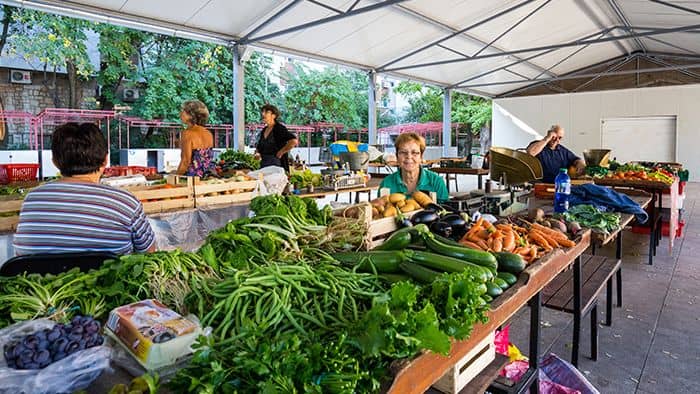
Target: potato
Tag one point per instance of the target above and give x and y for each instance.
(375, 212)
(422, 199)
(409, 207)
(400, 204)
(352, 212)
(396, 197)
(390, 211)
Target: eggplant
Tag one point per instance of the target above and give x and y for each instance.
(404, 222)
(426, 217)
(441, 228)
(454, 220)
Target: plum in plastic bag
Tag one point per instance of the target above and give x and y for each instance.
(74, 372)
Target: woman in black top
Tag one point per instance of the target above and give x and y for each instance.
(275, 140)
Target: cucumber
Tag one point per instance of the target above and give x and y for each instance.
(493, 289)
(478, 257)
(508, 277)
(486, 297)
(448, 264)
(385, 261)
(399, 240)
(510, 262)
(419, 273)
(501, 283)
(393, 278)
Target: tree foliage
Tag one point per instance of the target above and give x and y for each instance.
(425, 105)
(330, 95)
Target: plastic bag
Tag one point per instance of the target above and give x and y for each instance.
(75, 372)
(502, 339)
(274, 180)
(564, 374)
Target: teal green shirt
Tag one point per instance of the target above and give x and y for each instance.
(428, 181)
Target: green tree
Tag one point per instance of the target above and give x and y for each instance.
(120, 50)
(330, 95)
(259, 90)
(56, 41)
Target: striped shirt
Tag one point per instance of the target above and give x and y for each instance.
(62, 217)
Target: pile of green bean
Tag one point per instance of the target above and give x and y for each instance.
(281, 297)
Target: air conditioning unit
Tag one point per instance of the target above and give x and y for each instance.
(130, 95)
(20, 76)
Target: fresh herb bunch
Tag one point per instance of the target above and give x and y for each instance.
(236, 160)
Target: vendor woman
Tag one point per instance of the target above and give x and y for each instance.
(275, 140)
(410, 177)
(197, 143)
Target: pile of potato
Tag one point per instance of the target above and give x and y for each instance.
(391, 205)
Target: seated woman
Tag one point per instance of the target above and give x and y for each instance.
(197, 143)
(410, 176)
(76, 213)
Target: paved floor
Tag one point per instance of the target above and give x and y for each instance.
(653, 345)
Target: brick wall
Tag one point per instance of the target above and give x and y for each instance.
(36, 96)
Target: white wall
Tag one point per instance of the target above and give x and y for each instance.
(519, 120)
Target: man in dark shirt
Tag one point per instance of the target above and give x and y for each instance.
(553, 156)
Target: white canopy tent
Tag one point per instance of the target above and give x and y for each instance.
(488, 48)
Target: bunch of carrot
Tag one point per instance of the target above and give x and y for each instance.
(531, 243)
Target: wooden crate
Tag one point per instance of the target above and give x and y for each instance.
(377, 230)
(156, 199)
(230, 192)
(468, 367)
(10, 208)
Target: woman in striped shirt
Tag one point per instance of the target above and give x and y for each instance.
(76, 213)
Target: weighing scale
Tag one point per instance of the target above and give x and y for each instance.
(515, 170)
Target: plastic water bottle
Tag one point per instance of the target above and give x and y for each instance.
(562, 190)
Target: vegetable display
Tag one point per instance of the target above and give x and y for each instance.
(593, 218)
(231, 159)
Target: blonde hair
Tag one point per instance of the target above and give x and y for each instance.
(197, 111)
(405, 138)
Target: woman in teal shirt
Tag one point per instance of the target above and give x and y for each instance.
(410, 176)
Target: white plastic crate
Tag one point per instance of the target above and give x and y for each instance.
(466, 369)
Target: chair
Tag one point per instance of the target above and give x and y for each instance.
(54, 263)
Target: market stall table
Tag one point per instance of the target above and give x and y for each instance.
(479, 172)
(422, 372)
(657, 189)
(371, 186)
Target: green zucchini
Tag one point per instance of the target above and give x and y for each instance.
(383, 261)
(486, 297)
(493, 289)
(419, 273)
(478, 257)
(393, 278)
(448, 264)
(510, 262)
(508, 277)
(501, 283)
(399, 240)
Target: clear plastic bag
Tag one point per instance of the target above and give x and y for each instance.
(75, 372)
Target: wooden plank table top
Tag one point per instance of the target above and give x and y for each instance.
(373, 184)
(418, 374)
(460, 170)
(635, 184)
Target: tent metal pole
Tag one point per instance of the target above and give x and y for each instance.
(447, 37)
(451, 29)
(680, 48)
(372, 108)
(238, 98)
(678, 7)
(662, 62)
(321, 21)
(621, 16)
(529, 58)
(554, 46)
(271, 19)
(446, 122)
(508, 30)
(609, 70)
(569, 77)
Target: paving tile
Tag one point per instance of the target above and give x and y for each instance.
(683, 319)
(672, 364)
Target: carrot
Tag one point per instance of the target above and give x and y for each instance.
(546, 230)
(483, 234)
(497, 244)
(478, 241)
(472, 232)
(509, 242)
(488, 226)
(551, 241)
(479, 222)
(566, 243)
(536, 238)
(522, 250)
(533, 252)
(504, 227)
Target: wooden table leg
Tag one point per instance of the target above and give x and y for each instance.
(577, 311)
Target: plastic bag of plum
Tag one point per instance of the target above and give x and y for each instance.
(41, 356)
